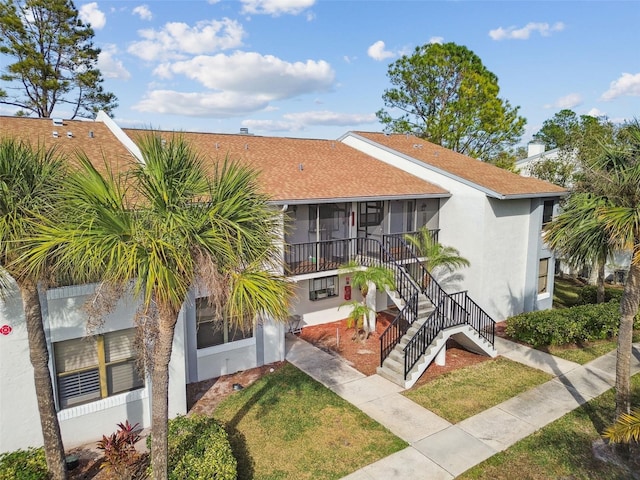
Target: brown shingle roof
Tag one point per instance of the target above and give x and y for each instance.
(293, 169)
(487, 176)
(93, 138)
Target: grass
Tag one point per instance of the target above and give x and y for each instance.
(562, 449)
(463, 393)
(566, 292)
(288, 426)
(586, 352)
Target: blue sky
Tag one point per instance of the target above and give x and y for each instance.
(318, 68)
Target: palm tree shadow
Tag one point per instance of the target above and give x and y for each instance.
(263, 396)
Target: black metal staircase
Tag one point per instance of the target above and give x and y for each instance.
(405, 342)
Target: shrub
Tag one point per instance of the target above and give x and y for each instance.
(27, 464)
(199, 449)
(566, 325)
(589, 294)
(120, 455)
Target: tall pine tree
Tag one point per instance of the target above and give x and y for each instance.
(53, 60)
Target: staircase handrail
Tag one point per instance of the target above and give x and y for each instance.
(428, 285)
(448, 313)
(393, 333)
(405, 286)
(478, 319)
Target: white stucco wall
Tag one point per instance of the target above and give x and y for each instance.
(492, 234)
(65, 319)
(19, 422)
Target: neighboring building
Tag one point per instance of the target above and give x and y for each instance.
(617, 265)
(355, 197)
(536, 153)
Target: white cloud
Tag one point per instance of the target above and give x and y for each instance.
(90, 13)
(110, 66)
(276, 7)
(330, 118)
(176, 39)
(239, 84)
(513, 33)
(292, 122)
(568, 101)
(627, 85)
(272, 125)
(377, 51)
(143, 12)
(595, 112)
(201, 104)
(436, 40)
(256, 74)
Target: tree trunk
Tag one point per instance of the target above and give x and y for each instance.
(628, 310)
(39, 355)
(160, 392)
(370, 301)
(600, 282)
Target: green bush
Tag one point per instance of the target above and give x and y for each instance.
(566, 325)
(199, 449)
(589, 294)
(27, 464)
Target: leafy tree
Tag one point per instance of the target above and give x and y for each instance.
(53, 60)
(561, 170)
(168, 227)
(368, 280)
(579, 140)
(30, 180)
(506, 159)
(445, 95)
(560, 130)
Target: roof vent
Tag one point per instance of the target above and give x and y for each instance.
(417, 145)
(301, 167)
(69, 134)
(58, 122)
(90, 133)
(244, 131)
(246, 146)
(55, 134)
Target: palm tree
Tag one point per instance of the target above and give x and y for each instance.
(29, 184)
(613, 182)
(580, 236)
(436, 256)
(359, 311)
(167, 227)
(368, 280)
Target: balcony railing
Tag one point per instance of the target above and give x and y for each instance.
(314, 257)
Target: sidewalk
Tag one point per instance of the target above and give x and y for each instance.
(437, 449)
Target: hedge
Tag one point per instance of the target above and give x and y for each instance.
(589, 294)
(27, 464)
(566, 325)
(199, 449)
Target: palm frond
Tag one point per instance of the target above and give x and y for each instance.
(625, 429)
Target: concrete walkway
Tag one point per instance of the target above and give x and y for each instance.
(437, 449)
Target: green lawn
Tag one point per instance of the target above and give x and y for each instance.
(588, 351)
(463, 393)
(565, 292)
(288, 426)
(562, 449)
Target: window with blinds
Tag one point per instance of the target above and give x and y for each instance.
(88, 369)
(212, 330)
